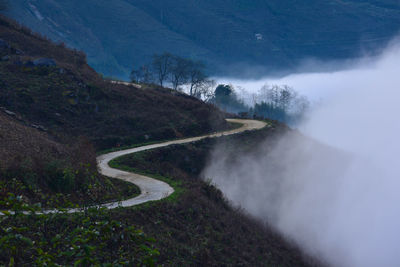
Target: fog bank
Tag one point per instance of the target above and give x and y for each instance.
(338, 201)
(308, 80)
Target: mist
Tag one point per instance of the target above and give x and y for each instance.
(334, 188)
(308, 77)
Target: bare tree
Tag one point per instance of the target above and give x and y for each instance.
(135, 75)
(196, 76)
(141, 75)
(286, 96)
(147, 74)
(179, 72)
(162, 65)
(205, 90)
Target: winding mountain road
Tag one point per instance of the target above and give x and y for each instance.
(151, 189)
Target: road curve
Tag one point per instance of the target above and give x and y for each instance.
(151, 189)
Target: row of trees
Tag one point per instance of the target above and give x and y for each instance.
(275, 102)
(176, 71)
(282, 97)
(280, 103)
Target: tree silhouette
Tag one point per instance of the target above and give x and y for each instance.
(196, 76)
(179, 72)
(162, 66)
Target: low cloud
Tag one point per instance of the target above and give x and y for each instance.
(310, 76)
(335, 193)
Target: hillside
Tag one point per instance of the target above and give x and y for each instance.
(67, 98)
(39, 169)
(55, 112)
(194, 227)
(227, 34)
(205, 229)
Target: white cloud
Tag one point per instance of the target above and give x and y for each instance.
(339, 204)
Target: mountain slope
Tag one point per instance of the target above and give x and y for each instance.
(20, 142)
(225, 33)
(205, 230)
(49, 97)
(69, 99)
(54, 108)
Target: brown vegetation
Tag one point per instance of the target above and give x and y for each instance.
(20, 143)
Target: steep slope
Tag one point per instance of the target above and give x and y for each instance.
(39, 169)
(225, 33)
(66, 97)
(20, 142)
(205, 230)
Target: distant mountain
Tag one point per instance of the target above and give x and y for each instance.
(274, 34)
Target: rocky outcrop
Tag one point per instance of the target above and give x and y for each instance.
(47, 62)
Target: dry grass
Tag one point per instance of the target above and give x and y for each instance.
(19, 143)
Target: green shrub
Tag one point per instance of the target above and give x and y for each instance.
(58, 178)
(94, 237)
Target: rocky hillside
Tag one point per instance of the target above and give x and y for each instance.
(225, 33)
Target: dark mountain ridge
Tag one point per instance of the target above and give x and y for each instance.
(227, 34)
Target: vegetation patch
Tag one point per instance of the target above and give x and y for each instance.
(94, 238)
(39, 170)
(175, 184)
(63, 191)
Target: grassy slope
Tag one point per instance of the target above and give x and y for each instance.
(220, 32)
(199, 227)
